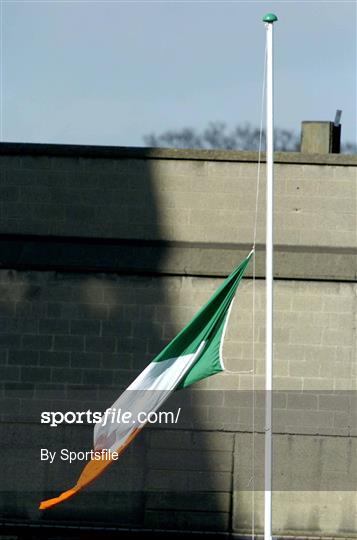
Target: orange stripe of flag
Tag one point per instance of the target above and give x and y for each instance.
(91, 471)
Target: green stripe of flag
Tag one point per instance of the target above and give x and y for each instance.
(207, 325)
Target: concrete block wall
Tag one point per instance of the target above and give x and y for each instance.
(201, 204)
(177, 200)
(106, 254)
(67, 329)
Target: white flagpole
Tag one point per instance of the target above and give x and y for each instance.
(269, 20)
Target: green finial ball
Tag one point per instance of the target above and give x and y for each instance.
(270, 18)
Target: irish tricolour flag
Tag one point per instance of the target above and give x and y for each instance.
(195, 353)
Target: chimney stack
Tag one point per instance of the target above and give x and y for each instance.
(321, 137)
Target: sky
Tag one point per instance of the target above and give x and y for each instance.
(109, 72)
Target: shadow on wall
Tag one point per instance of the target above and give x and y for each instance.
(74, 335)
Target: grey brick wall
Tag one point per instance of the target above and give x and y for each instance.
(202, 199)
(117, 324)
(80, 355)
(73, 340)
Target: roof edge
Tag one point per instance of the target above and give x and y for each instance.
(132, 152)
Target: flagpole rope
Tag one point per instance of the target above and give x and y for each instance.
(257, 190)
(254, 289)
(231, 372)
